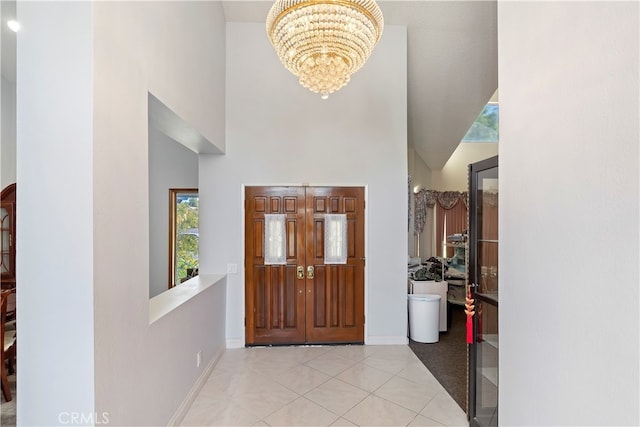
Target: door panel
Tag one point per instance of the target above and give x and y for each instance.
(326, 307)
(335, 296)
(483, 274)
(274, 300)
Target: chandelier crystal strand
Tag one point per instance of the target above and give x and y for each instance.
(324, 42)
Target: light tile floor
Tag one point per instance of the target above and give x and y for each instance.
(323, 386)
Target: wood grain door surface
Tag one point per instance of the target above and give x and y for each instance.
(325, 306)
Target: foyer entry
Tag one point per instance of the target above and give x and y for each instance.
(301, 297)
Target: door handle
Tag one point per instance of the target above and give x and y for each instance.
(300, 272)
(310, 272)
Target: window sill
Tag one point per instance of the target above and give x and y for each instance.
(169, 300)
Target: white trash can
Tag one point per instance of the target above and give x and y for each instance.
(424, 317)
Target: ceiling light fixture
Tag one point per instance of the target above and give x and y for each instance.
(13, 25)
(324, 42)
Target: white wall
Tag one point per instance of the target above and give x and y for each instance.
(84, 219)
(8, 96)
(144, 371)
(454, 176)
(278, 132)
(569, 162)
(8, 127)
(171, 165)
(55, 222)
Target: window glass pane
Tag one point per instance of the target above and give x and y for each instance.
(187, 236)
(487, 365)
(335, 239)
(275, 243)
(485, 128)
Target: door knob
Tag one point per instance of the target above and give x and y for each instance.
(300, 272)
(310, 272)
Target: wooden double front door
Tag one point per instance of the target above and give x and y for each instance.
(304, 300)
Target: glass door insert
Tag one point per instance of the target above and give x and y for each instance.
(483, 277)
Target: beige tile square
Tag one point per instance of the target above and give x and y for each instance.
(376, 411)
(301, 412)
(407, 394)
(231, 384)
(365, 377)
(300, 378)
(311, 352)
(234, 359)
(218, 412)
(291, 355)
(270, 359)
(351, 352)
(341, 422)
(423, 421)
(392, 351)
(445, 410)
(418, 373)
(388, 363)
(337, 396)
(264, 399)
(331, 364)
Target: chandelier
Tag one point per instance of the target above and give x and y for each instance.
(324, 42)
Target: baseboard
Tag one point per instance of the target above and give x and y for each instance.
(236, 343)
(182, 410)
(386, 340)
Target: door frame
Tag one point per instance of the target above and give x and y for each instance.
(243, 188)
(472, 277)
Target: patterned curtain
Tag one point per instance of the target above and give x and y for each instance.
(448, 199)
(447, 206)
(408, 203)
(423, 199)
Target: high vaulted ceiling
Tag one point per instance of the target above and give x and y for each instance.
(452, 65)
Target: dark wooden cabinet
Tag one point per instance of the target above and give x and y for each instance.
(8, 237)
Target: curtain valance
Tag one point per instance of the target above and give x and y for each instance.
(428, 198)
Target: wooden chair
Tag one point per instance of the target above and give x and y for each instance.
(8, 339)
(10, 324)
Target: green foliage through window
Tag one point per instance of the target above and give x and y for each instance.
(485, 128)
(186, 236)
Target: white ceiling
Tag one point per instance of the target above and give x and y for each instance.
(452, 64)
(452, 69)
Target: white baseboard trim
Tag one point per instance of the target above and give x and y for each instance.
(236, 343)
(184, 407)
(386, 340)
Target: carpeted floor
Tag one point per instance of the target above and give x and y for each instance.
(447, 359)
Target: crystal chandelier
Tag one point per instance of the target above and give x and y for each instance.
(324, 42)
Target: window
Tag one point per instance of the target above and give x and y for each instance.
(485, 128)
(183, 235)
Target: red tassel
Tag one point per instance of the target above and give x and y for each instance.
(470, 312)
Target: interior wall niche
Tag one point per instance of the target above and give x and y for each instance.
(174, 147)
(171, 165)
